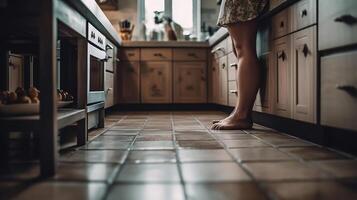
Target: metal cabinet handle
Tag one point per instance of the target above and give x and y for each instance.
(192, 54)
(223, 66)
(347, 19)
(282, 24)
(350, 89)
(282, 56)
(233, 92)
(235, 65)
(303, 13)
(305, 50)
(158, 54)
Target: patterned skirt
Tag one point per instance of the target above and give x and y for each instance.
(234, 11)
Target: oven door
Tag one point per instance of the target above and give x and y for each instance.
(96, 67)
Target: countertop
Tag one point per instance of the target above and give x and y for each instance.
(94, 14)
(164, 44)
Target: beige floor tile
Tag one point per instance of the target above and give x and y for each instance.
(339, 168)
(326, 190)
(259, 154)
(63, 190)
(224, 191)
(196, 155)
(146, 191)
(213, 172)
(153, 173)
(312, 153)
(281, 171)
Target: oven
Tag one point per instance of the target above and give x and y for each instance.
(96, 62)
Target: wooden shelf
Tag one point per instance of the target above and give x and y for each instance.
(65, 117)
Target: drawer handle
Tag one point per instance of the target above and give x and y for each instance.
(223, 66)
(305, 50)
(235, 65)
(233, 92)
(282, 56)
(347, 19)
(192, 54)
(131, 54)
(217, 50)
(303, 13)
(350, 89)
(282, 24)
(158, 54)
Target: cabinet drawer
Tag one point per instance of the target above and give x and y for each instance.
(337, 23)
(156, 54)
(281, 23)
(220, 49)
(338, 90)
(233, 93)
(303, 14)
(190, 54)
(129, 54)
(232, 66)
(275, 3)
(109, 91)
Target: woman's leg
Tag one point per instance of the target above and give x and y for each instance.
(248, 75)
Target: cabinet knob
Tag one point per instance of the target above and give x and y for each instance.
(192, 54)
(347, 19)
(282, 55)
(305, 50)
(223, 66)
(235, 65)
(350, 89)
(303, 13)
(282, 24)
(157, 54)
(233, 92)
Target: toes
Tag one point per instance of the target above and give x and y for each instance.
(215, 126)
(215, 121)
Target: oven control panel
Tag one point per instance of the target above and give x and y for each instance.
(95, 37)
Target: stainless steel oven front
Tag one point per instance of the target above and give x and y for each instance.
(96, 69)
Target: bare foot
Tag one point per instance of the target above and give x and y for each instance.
(232, 123)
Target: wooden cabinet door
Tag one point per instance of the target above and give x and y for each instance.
(304, 75)
(264, 99)
(214, 83)
(190, 82)
(109, 92)
(282, 77)
(129, 82)
(223, 81)
(156, 82)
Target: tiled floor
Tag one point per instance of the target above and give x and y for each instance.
(174, 155)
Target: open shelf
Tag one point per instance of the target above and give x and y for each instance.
(65, 117)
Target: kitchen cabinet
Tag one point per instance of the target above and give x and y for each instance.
(156, 82)
(304, 75)
(129, 82)
(337, 23)
(338, 90)
(109, 91)
(190, 82)
(264, 101)
(282, 77)
(233, 93)
(223, 81)
(214, 80)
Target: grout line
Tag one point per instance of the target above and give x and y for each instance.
(178, 161)
(258, 184)
(121, 166)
